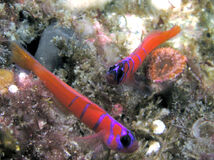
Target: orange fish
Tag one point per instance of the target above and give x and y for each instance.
(113, 134)
(125, 68)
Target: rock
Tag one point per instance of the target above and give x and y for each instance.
(48, 53)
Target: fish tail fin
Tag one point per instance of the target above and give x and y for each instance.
(166, 35)
(173, 32)
(21, 57)
(158, 37)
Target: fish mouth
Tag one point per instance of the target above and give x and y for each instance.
(134, 147)
(131, 149)
(110, 77)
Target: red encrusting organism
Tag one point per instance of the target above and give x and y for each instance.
(113, 134)
(125, 68)
(166, 64)
(117, 110)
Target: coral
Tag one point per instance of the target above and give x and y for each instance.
(166, 64)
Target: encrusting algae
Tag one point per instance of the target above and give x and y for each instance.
(6, 79)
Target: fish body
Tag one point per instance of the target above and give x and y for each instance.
(114, 135)
(125, 68)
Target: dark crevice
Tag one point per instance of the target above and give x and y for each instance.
(32, 47)
(165, 97)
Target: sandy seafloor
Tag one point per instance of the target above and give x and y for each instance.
(90, 36)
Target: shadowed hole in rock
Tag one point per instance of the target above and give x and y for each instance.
(32, 47)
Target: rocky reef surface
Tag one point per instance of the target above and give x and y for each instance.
(78, 41)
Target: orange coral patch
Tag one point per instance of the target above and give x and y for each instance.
(166, 64)
(6, 79)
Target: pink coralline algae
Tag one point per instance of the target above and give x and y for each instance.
(117, 110)
(30, 119)
(101, 37)
(166, 64)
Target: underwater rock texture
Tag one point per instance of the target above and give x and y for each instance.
(48, 52)
(34, 126)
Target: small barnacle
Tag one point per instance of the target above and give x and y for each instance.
(158, 127)
(154, 147)
(166, 64)
(203, 128)
(6, 79)
(13, 88)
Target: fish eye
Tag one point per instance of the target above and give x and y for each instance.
(119, 74)
(112, 68)
(125, 140)
(115, 73)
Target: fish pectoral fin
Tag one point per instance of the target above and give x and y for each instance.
(90, 141)
(141, 87)
(93, 143)
(130, 79)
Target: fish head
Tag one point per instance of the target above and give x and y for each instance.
(121, 139)
(127, 143)
(115, 73)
